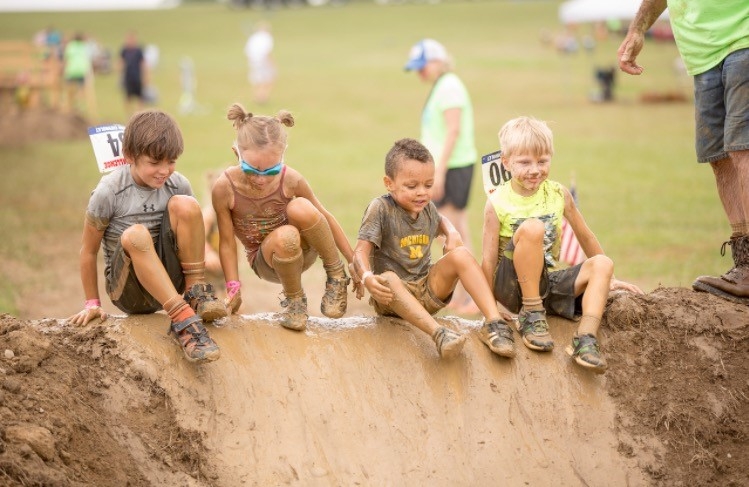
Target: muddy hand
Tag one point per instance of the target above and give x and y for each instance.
(86, 315)
(233, 296)
(356, 282)
(379, 291)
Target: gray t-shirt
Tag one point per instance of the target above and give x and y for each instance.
(118, 202)
(402, 244)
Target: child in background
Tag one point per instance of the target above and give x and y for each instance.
(393, 256)
(150, 225)
(522, 232)
(273, 211)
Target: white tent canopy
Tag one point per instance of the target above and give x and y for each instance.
(580, 11)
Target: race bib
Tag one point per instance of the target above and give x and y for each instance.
(493, 171)
(107, 143)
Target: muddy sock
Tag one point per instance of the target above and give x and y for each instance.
(289, 272)
(194, 272)
(335, 270)
(321, 239)
(739, 229)
(588, 325)
(177, 309)
(533, 304)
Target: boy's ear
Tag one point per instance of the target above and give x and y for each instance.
(505, 162)
(388, 183)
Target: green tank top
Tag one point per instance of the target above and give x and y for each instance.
(546, 204)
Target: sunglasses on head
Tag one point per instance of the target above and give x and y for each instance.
(251, 170)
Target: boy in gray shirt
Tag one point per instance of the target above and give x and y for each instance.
(150, 225)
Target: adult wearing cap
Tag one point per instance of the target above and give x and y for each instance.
(447, 131)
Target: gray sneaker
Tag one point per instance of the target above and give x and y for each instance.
(449, 343)
(497, 335)
(295, 315)
(585, 351)
(534, 329)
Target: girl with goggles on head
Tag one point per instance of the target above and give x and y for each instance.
(271, 208)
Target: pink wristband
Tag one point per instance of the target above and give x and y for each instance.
(232, 288)
(92, 303)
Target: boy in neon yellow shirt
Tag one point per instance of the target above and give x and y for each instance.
(522, 239)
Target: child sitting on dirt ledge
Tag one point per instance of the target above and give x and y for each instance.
(283, 227)
(522, 239)
(392, 258)
(146, 218)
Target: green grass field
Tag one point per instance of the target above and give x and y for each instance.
(654, 209)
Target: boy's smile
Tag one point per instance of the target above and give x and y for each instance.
(150, 173)
(528, 171)
(412, 186)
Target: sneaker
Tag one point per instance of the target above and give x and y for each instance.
(295, 316)
(498, 337)
(449, 343)
(334, 301)
(202, 300)
(534, 329)
(194, 340)
(584, 350)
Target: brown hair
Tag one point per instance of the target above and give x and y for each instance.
(258, 131)
(152, 133)
(405, 149)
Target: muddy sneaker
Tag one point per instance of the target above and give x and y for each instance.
(202, 300)
(449, 343)
(584, 350)
(194, 340)
(334, 301)
(498, 337)
(534, 329)
(295, 315)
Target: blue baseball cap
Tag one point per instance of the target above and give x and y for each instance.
(424, 51)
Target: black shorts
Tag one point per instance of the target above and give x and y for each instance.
(123, 287)
(557, 289)
(457, 187)
(133, 88)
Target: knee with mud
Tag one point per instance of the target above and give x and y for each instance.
(137, 238)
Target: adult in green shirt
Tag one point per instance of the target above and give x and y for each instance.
(76, 71)
(713, 40)
(447, 130)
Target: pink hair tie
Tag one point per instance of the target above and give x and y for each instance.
(92, 303)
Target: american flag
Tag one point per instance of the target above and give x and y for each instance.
(571, 253)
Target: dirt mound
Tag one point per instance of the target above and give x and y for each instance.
(35, 125)
(364, 401)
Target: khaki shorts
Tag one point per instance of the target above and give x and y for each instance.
(264, 271)
(423, 294)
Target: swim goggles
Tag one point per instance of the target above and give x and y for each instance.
(247, 169)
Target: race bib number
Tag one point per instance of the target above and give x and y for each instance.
(494, 172)
(107, 143)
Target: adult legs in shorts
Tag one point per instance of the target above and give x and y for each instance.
(721, 107)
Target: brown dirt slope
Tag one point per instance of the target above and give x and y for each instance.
(360, 401)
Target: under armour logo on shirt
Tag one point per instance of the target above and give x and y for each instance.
(148, 208)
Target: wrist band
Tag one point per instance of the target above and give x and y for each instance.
(365, 276)
(232, 288)
(92, 303)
